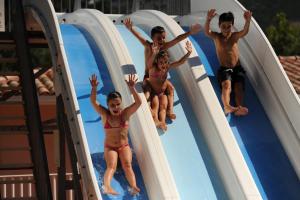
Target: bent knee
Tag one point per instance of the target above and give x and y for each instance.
(126, 165)
(111, 168)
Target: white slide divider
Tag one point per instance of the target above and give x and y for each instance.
(44, 13)
(231, 165)
(266, 74)
(144, 136)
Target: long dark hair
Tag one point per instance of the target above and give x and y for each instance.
(160, 54)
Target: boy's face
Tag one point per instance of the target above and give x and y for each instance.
(163, 62)
(159, 38)
(114, 106)
(226, 28)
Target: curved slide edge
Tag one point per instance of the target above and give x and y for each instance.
(232, 167)
(267, 76)
(44, 13)
(143, 133)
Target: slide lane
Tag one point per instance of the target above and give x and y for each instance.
(84, 59)
(188, 156)
(261, 148)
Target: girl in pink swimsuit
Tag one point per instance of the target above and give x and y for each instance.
(115, 123)
(157, 84)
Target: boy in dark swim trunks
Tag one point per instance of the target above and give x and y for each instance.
(231, 73)
(158, 35)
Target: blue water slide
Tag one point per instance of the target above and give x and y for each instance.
(187, 153)
(261, 148)
(85, 59)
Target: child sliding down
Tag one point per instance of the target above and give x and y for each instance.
(156, 84)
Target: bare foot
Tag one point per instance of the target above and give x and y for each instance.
(135, 190)
(163, 126)
(109, 190)
(242, 111)
(171, 115)
(230, 109)
(157, 123)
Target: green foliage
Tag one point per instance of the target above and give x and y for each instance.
(284, 37)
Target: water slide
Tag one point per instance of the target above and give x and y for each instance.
(269, 135)
(199, 156)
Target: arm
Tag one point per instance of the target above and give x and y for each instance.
(193, 30)
(210, 15)
(154, 52)
(128, 111)
(128, 24)
(242, 33)
(94, 83)
(183, 58)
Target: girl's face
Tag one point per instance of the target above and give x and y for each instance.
(163, 63)
(226, 28)
(114, 106)
(159, 38)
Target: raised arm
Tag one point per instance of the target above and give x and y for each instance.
(193, 30)
(188, 47)
(128, 24)
(94, 83)
(154, 52)
(128, 111)
(242, 33)
(210, 15)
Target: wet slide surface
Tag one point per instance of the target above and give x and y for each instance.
(187, 153)
(261, 148)
(85, 59)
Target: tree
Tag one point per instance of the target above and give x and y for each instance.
(284, 37)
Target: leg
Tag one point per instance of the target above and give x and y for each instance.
(111, 158)
(126, 159)
(239, 97)
(154, 109)
(226, 90)
(163, 103)
(170, 96)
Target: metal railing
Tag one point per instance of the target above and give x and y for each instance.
(23, 186)
(171, 7)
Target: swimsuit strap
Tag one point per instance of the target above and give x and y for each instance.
(122, 124)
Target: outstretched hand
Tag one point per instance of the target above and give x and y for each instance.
(188, 47)
(247, 15)
(128, 23)
(155, 48)
(131, 80)
(93, 80)
(211, 14)
(195, 28)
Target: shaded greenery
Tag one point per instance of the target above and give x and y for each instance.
(265, 10)
(284, 37)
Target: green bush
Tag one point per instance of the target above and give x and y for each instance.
(284, 37)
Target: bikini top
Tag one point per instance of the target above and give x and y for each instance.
(122, 124)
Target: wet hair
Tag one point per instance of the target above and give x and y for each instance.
(157, 29)
(113, 95)
(160, 54)
(226, 17)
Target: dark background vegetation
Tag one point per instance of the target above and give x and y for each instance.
(280, 20)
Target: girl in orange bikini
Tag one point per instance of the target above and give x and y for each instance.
(115, 123)
(157, 84)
